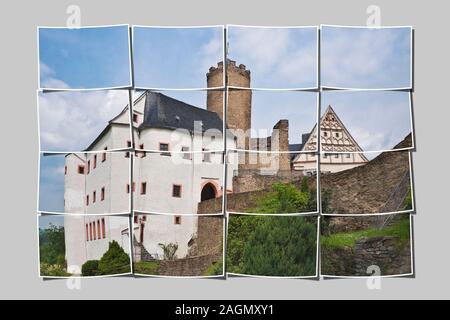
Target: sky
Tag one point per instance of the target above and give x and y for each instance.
(175, 57)
(366, 58)
(70, 121)
(85, 58)
(377, 120)
(45, 221)
(300, 108)
(51, 183)
(278, 58)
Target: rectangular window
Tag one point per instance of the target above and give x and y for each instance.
(104, 154)
(186, 155)
(127, 154)
(143, 153)
(102, 194)
(103, 228)
(128, 187)
(206, 156)
(90, 232)
(94, 196)
(99, 231)
(95, 161)
(88, 167)
(177, 220)
(65, 170)
(87, 232)
(87, 200)
(94, 230)
(143, 187)
(164, 147)
(81, 169)
(176, 191)
(135, 117)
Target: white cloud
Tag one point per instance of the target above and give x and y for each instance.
(360, 57)
(70, 121)
(277, 57)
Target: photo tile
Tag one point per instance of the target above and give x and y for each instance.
(275, 121)
(178, 246)
(366, 246)
(85, 183)
(178, 57)
(181, 183)
(366, 58)
(365, 121)
(366, 183)
(84, 58)
(274, 57)
(84, 246)
(272, 183)
(271, 246)
(179, 121)
(78, 121)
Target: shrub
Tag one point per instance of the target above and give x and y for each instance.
(90, 268)
(114, 261)
(53, 270)
(216, 269)
(284, 198)
(169, 250)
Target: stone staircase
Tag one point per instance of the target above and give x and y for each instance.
(140, 253)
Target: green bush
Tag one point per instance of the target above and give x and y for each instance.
(53, 270)
(284, 198)
(114, 261)
(169, 250)
(215, 269)
(90, 268)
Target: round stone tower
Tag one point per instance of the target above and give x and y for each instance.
(239, 101)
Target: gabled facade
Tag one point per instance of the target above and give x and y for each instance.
(341, 150)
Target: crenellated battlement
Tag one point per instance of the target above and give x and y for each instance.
(231, 67)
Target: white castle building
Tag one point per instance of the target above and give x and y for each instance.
(171, 176)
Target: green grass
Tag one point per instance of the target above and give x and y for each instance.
(399, 229)
(146, 267)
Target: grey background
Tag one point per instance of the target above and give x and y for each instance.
(19, 266)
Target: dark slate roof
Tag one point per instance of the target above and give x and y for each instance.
(295, 147)
(162, 111)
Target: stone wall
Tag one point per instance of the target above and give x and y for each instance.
(187, 267)
(366, 189)
(384, 253)
(206, 249)
(380, 251)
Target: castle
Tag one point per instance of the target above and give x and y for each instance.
(178, 163)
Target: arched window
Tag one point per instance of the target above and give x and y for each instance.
(209, 191)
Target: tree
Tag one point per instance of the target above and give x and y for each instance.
(281, 246)
(114, 261)
(52, 246)
(271, 245)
